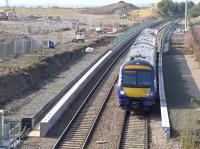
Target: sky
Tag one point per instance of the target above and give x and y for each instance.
(77, 3)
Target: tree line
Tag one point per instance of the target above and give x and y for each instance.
(170, 8)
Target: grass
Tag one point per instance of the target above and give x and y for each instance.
(33, 60)
(198, 60)
(7, 67)
(145, 12)
(196, 100)
(188, 142)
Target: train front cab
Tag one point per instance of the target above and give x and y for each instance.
(137, 86)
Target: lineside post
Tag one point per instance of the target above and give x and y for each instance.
(1, 126)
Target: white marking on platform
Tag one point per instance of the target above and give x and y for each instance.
(186, 75)
(72, 90)
(34, 133)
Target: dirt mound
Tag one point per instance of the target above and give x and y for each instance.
(116, 8)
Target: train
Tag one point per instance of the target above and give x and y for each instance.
(137, 81)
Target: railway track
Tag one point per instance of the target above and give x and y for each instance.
(78, 132)
(135, 132)
(80, 128)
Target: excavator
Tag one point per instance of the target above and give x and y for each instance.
(7, 13)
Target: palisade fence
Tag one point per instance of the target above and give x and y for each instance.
(35, 27)
(37, 36)
(21, 46)
(131, 31)
(31, 45)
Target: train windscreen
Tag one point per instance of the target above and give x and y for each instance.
(137, 78)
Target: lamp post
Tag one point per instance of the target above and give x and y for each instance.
(186, 15)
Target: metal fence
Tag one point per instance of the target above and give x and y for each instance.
(11, 135)
(21, 46)
(38, 27)
(32, 45)
(131, 31)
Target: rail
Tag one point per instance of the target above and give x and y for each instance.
(30, 122)
(135, 131)
(163, 105)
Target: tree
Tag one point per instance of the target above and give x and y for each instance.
(169, 8)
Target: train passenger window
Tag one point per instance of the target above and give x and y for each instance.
(138, 78)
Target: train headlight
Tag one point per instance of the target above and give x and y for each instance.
(149, 94)
(122, 93)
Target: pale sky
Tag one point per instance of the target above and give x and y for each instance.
(76, 3)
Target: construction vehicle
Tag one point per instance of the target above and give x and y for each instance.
(78, 38)
(126, 16)
(9, 14)
(1, 14)
(81, 28)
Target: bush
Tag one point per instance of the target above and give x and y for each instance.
(194, 15)
(196, 100)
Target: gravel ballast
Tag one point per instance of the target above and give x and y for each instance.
(27, 106)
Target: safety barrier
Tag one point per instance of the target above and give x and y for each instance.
(126, 34)
(163, 105)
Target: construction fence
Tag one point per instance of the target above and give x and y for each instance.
(34, 27)
(20, 46)
(32, 45)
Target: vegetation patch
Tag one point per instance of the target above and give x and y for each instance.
(170, 8)
(188, 142)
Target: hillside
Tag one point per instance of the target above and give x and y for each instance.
(145, 12)
(116, 8)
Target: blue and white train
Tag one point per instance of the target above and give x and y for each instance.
(137, 84)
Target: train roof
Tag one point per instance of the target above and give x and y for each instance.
(144, 48)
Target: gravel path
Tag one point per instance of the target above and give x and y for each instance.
(27, 106)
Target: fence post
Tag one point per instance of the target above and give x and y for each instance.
(5, 50)
(14, 52)
(23, 46)
(1, 126)
(31, 44)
